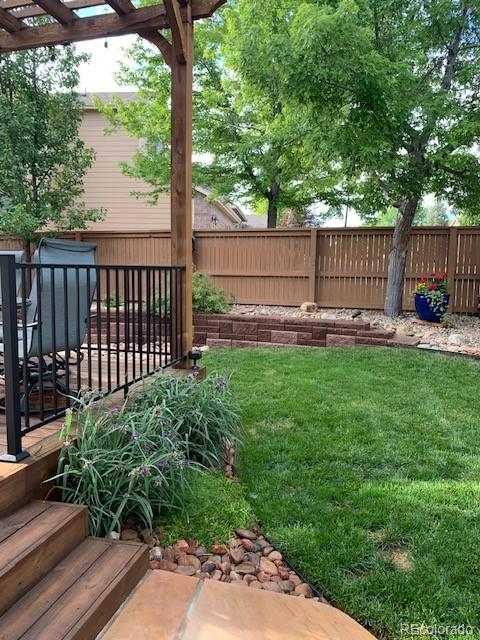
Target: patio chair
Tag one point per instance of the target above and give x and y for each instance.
(58, 313)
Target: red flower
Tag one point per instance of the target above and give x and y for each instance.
(422, 280)
(433, 287)
(433, 274)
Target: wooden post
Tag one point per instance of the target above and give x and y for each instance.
(452, 264)
(181, 178)
(312, 279)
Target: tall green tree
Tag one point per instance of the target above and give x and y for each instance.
(42, 158)
(249, 137)
(395, 88)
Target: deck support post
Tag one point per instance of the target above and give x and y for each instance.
(181, 175)
(10, 360)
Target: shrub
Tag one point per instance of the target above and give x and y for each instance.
(113, 301)
(121, 463)
(140, 458)
(204, 414)
(207, 298)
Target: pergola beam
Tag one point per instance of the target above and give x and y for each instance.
(122, 7)
(9, 22)
(176, 26)
(109, 24)
(159, 40)
(57, 10)
(32, 10)
(21, 36)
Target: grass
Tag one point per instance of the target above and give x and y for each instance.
(363, 466)
(215, 508)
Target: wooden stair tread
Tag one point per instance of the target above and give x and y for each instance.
(33, 540)
(78, 597)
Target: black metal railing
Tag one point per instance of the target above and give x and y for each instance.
(71, 330)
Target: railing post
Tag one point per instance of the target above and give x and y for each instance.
(10, 360)
(452, 264)
(312, 278)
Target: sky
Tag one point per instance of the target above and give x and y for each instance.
(98, 74)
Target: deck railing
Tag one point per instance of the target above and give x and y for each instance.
(81, 330)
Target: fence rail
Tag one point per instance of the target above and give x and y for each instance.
(333, 267)
(71, 330)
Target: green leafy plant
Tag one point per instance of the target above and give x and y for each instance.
(207, 298)
(113, 301)
(139, 458)
(204, 416)
(119, 463)
(435, 289)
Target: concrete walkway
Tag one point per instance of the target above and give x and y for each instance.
(167, 606)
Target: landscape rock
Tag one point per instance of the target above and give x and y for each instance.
(129, 535)
(275, 555)
(308, 307)
(456, 339)
(245, 533)
(303, 589)
(272, 586)
(267, 566)
(186, 560)
(245, 567)
(156, 554)
(237, 555)
(219, 549)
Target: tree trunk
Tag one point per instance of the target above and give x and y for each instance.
(27, 248)
(272, 198)
(398, 257)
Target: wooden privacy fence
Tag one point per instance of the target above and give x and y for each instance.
(333, 267)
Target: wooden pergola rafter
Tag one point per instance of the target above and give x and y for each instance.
(63, 22)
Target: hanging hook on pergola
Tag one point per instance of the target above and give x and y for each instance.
(62, 25)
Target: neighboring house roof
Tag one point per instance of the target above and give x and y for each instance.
(89, 98)
(232, 211)
(256, 222)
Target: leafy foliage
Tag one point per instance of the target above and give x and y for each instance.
(207, 298)
(204, 416)
(140, 458)
(248, 136)
(42, 158)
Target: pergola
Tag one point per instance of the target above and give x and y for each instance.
(20, 28)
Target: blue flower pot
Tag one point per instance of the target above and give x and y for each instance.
(424, 312)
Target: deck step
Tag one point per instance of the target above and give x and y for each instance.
(80, 595)
(33, 540)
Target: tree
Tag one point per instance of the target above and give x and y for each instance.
(395, 89)
(42, 159)
(249, 139)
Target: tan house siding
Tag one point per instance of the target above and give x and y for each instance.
(106, 186)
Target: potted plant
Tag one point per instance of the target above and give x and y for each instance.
(432, 297)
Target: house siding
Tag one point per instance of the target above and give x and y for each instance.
(105, 185)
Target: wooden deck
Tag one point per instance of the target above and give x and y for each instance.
(124, 366)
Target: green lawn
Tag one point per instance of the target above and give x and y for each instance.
(363, 466)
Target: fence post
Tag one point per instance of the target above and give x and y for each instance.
(312, 278)
(452, 264)
(10, 360)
